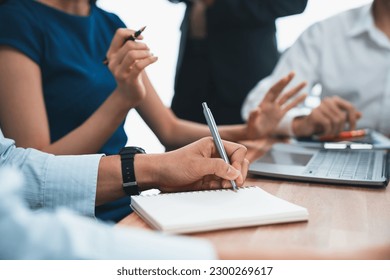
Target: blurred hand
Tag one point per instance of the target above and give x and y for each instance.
(332, 116)
(198, 166)
(263, 120)
(126, 61)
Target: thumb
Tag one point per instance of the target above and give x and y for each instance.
(221, 169)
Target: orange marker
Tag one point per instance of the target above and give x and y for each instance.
(345, 135)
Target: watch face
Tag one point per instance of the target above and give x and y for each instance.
(132, 150)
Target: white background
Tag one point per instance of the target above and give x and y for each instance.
(163, 20)
(282, 269)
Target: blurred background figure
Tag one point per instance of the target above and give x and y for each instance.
(226, 47)
(345, 60)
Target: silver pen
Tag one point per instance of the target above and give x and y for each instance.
(217, 138)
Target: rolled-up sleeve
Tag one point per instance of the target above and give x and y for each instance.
(54, 181)
(60, 234)
(71, 181)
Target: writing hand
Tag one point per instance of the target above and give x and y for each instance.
(199, 166)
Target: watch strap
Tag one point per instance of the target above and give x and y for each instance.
(129, 185)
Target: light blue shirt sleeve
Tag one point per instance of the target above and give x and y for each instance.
(54, 181)
(61, 234)
(54, 232)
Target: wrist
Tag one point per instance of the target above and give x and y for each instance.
(109, 181)
(234, 133)
(129, 177)
(301, 127)
(122, 101)
(146, 168)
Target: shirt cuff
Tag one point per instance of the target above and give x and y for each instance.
(285, 125)
(71, 181)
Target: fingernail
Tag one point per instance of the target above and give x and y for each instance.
(232, 172)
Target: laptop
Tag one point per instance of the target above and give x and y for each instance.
(366, 168)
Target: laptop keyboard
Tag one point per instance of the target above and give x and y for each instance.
(343, 164)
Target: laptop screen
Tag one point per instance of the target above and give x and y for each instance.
(285, 158)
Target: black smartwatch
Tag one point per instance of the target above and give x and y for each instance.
(130, 186)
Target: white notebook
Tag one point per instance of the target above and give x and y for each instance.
(197, 211)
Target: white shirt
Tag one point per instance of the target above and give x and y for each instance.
(349, 57)
(54, 232)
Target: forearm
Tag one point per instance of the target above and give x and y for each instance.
(95, 131)
(174, 132)
(170, 130)
(184, 132)
(234, 133)
(109, 182)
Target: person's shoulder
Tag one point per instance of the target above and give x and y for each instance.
(14, 13)
(16, 7)
(336, 25)
(21, 27)
(342, 21)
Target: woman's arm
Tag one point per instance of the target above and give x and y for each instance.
(174, 132)
(23, 115)
(170, 130)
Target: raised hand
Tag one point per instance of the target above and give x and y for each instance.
(265, 118)
(126, 60)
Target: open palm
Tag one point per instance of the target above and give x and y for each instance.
(265, 118)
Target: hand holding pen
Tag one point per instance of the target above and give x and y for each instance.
(132, 37)
(217, 139)
(127, 59)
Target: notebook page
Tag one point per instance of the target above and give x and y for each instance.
(216, 209)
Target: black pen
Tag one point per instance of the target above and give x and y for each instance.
(131, 38)
(217, 138)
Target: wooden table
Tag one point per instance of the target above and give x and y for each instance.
(340, 217)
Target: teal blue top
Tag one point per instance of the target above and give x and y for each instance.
(69, 50)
